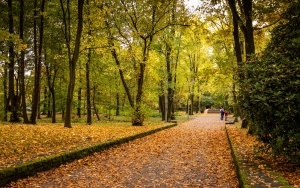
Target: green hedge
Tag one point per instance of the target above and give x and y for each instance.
(270, 93)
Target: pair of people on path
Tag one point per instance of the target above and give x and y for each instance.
(223, 113)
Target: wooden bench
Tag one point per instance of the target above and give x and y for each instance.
(213, 111)
(231, 120)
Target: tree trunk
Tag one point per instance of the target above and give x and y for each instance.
(87, 67)
(51, 83)
(191, 111)
(53, 106)
(117, 104)
(49, 104)
(45, 107)
(247, 30)
(79, 103)
(38, 61)
(5, 99)
(116, 58)
(169, 81)
(248, 34)
(12, 98)
(22, 66)
(72, 64)
(94, 104)
(88, 90)
(138, 116)
(161, 100)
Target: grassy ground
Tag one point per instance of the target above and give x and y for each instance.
(20, 143)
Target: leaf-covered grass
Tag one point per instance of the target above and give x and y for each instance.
(21, 143)
(193, 154)
(247, 147)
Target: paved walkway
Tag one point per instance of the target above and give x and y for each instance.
(193, 154)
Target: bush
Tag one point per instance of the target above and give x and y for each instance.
(270, 93)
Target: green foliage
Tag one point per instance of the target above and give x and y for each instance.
(207, 101)
(270, 93)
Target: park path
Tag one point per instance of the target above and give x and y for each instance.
(193, 154)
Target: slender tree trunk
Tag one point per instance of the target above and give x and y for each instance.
(5, 99)
(38, 62)
(138, 116)
(45, 107)
(49, 104)
(39, 107)
(72, 65)
(53, 106)
(87, 73)
(79, 103)
(161, 106)
(169, 82)
(22, 66)
(175, 80)
(12, 98)
(116, 58)
(171, 85)
(161, 102)
(94, 104)
(238, 52)
(51, 83)
(88, 89)
(117, 104)
(247, 30)
(191, 111)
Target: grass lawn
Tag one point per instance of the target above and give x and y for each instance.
(20, 143)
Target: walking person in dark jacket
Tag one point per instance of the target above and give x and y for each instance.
(222, 112)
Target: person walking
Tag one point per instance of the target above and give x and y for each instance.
(222, 113)
(225, 114)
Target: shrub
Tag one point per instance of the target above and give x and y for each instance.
(270, 93)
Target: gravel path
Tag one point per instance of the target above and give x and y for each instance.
(193, 154)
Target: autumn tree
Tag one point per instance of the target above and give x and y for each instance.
(37, 59)
(169, 45)
(73, 53)
(135, 25)
(12, 96)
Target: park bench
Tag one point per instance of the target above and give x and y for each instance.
(230, 120)
(213, 111)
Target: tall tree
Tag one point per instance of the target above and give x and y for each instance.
(245, 25)
(136, 23)
(87, 69)
(72, 56)
(51, 73)
(38, 60)
(12, 96)
(22, 65)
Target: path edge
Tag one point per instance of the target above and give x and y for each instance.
(28, 169)
(238, 168)
(241, 172)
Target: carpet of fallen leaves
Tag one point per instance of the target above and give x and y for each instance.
(192, 154)
(248, 145)
(21, 143)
